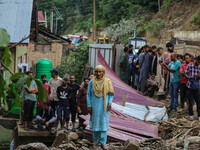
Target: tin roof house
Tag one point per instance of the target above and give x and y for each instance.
(29, 41)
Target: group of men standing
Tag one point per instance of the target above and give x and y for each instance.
(94, 97)
(152, 73)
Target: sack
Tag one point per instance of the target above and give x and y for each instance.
(194, 84)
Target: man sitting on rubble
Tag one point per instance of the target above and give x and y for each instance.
(151, 86)
(45, 116)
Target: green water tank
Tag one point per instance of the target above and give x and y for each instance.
(43, 66)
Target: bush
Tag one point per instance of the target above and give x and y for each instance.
(156, 26)
(166, 3)
(196, 19)
(74, 63)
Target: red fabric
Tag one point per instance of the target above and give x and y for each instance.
(184, 79)
(47, 88)
(40, 16)
(120, 88)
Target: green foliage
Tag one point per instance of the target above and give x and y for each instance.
(42, 95)
(156, 26)
(166, 3)
(196, 19)
(2, 87)
(15, 89)
(5, 54)
(77, 14)
(13, 94)
(15, 77)
(4, 41)
(125, 39)
(74, 63)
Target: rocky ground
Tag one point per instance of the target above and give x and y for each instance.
(175, 134)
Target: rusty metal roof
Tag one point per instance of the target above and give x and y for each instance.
(15, 17)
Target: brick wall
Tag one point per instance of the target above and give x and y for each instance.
(51, 52)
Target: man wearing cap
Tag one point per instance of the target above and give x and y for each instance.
(55, 82)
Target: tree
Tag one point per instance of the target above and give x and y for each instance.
(15, 87)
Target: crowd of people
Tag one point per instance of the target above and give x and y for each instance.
(66, 99)
(150, 71)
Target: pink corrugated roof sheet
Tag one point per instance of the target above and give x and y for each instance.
(123, 127)
(121, 88)
(40, 16)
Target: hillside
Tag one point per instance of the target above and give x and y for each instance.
(141, 14)
(180, 15)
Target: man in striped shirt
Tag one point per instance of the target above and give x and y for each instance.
(193, 74)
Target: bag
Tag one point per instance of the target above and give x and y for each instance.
(194, 84)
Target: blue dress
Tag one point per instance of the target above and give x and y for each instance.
(99, 120)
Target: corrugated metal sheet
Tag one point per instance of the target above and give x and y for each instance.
(106, 51)
(15, 17)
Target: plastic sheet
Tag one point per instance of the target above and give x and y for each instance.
(147, 113)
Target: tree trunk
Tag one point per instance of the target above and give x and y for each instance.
(158, 5)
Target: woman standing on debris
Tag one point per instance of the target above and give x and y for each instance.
(99, 99)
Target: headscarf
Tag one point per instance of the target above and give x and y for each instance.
(102, 86)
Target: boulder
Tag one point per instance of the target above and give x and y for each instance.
(132, 144)
(33, 146)
(60, 137)
(73, 136)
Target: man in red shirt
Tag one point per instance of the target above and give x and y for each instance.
(184, 80)
(47, 88)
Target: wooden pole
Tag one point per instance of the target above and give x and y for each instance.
(51, 23)
(94, 21)
(45, 16)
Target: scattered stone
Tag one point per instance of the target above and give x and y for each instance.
(180, 144)
(70, 146)
(132, 144)
(86, 141)
(33, 146)
(85, 148)
(192, 143)
(80, 134)
(73, 136)
(53, 148)
(60, 137)
(116, 146)
(153, 144)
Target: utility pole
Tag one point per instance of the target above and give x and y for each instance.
(51, 18)
(94, 22)
(45, 17)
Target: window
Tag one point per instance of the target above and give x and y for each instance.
(25, 58)
(19, 60)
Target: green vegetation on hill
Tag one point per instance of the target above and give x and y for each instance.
(78, 14)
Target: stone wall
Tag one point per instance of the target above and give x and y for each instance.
(161, 40)
(51, 52)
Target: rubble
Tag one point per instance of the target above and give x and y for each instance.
(33, 146)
